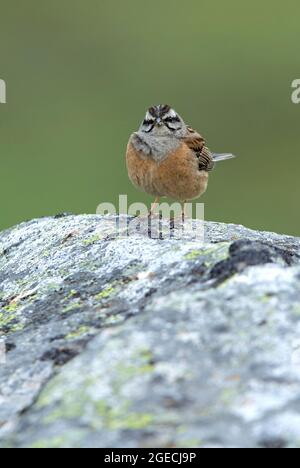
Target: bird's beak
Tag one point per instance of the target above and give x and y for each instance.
(159, 122)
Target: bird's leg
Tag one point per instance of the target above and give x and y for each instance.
(183, 211)
(154, 206)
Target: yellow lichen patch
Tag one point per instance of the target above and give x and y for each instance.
(71, 307)
(107, 292)
(77, 333)
(193, 255)
(216, 252)
(93, 239)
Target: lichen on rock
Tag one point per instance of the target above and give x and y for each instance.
(117, 341)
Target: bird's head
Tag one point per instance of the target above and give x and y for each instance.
(162, 120)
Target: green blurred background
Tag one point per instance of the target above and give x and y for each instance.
(80, 75)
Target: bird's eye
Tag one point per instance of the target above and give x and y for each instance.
(172, 119)
(172, 122)
(148, 122)
(148, 125)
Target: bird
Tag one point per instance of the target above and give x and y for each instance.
(167, 158)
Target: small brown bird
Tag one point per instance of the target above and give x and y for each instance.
(167, 158)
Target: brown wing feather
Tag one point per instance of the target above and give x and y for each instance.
(197, 144)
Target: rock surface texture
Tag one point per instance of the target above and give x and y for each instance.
(115, 341)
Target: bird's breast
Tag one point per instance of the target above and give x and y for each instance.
(156, 147)
(176, 176)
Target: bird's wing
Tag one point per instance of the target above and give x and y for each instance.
(197, 144)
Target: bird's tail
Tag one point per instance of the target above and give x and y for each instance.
(222, 157)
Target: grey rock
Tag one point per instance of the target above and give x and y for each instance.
(149, 340)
